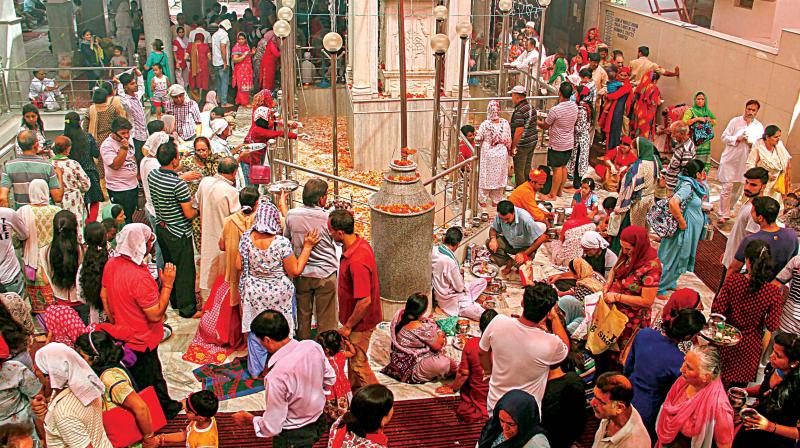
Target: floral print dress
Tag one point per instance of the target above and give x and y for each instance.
(76, 183)
(264, 284)
(647, 276)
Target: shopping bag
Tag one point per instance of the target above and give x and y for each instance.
(607, 324)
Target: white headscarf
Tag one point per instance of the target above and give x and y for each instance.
(38, 194)
(218, 125)
(593, 240)
(132, 241)
(155, 140)
(66, 368)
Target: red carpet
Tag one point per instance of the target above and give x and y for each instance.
(708, 267)
(429, 423)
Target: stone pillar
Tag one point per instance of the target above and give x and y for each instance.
(13, 53)
(363, 39)
(94, 15)
(62, 28)
(459, 10)
(156, 26)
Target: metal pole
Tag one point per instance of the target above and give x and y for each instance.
(436, 119)
(461, 75)
(541, 45)
(285, 99)
(501, 84)
(335, 124)
(401, 50)
(475, 180)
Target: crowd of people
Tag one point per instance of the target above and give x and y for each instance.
(298, 289)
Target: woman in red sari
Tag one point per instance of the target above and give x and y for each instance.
(615, 163)
(632, 286)
(242, 57)
(647, 98)
(268, 61)
(592, 40)
(199, 55)
(618, 103)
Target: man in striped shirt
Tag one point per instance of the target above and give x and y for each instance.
(20, 172)
(174, 213)
(185, 110)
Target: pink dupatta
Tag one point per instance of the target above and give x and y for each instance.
(691, 416)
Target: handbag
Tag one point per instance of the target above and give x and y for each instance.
(259, 174)
(120, 424)
(702, 132)
(660, 219)
(607, 324)
(780, 184)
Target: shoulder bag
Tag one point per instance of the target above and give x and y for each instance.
(120, 423)
(660, 219)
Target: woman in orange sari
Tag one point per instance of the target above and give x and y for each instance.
(647, 98)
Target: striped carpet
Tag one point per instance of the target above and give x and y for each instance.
(429, 423)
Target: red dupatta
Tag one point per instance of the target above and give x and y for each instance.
(579, 217)
(648, 97)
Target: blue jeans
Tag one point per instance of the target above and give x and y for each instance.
(223, 81)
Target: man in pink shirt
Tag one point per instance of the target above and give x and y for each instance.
(119, 161)
(298, 371)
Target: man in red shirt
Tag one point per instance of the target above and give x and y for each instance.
(359, 295)
(136, 308)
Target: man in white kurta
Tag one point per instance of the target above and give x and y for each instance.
(738, 136)
(453, 296)
(217, 199)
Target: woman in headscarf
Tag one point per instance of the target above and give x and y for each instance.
(75, 181)
(242, 58)
(647, 98)
(494, 136)
(615, 164)
(617, 105)
(568, 246)
(199, 57)
(681, 299)
(632, 287)
(515, 423)
(701, 122)
(587, 282)
(596, 252)
(63, 324)
(592, 40)
(263, 128)
(770, 153)
(678, 252)
(637, 192)
(697, 411)
(75, 387)
(211, 101)
(38, 218)
(84, 150)
(267, 260)
(559, 71)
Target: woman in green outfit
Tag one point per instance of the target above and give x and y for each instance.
(701, 122)
(157, 56)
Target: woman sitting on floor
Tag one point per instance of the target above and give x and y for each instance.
(417, 344)
(470, 382)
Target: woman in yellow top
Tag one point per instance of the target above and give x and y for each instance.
(104, 356)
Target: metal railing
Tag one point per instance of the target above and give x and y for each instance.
(75, 85)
